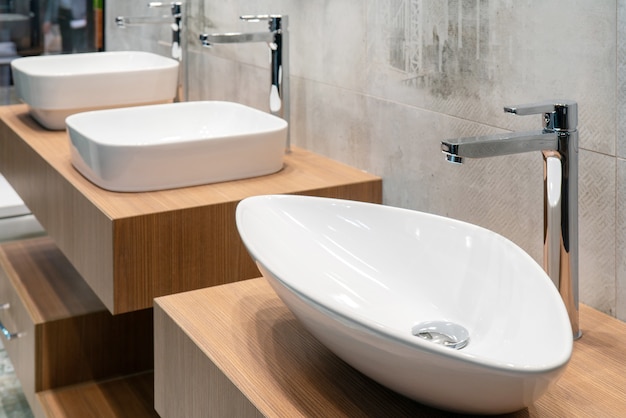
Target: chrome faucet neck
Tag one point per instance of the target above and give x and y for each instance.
(179, 47)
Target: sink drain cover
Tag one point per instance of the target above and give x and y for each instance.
(445, 333)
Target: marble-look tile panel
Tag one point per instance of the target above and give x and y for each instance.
(620, 231)
(458, 58)
(470, 58)
(370, 90)
(597, 230)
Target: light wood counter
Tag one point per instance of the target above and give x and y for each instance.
(132, 247)
(236, 350)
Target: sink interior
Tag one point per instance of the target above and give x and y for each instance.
(386, 288)
(173, 145)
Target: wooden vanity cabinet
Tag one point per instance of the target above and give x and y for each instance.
(133, 247)
(59, 333)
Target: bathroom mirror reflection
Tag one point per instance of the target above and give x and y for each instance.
(37, 27)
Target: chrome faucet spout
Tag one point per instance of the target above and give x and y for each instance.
(125, 21)
(176, 20)
(235, 37)
(558, 143)
(501, 144)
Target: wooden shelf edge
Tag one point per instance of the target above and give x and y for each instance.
(47, 283)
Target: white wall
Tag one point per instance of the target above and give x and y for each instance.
(378, 84)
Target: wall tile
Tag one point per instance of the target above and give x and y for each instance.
(621, 78)
(327, 37)
(470, 58)
(378, 86)
(215, 78)
(329, 42)
(597, 233)
(620, 226)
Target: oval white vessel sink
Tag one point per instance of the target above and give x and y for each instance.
(56, 86)
(365, 278)
(175, 145)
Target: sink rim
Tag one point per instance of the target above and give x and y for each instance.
(28, 65)
(557, 362)
(196, 157)
(76, 121)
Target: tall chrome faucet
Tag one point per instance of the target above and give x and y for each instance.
(278, 41)
(558, 142)
(176, 22)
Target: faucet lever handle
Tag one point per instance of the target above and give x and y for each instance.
(157, 4)
(258, 18)
(175, 6)
(277, 23)
(558, 114)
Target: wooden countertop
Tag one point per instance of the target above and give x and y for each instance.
(250, 337)
(132, 247)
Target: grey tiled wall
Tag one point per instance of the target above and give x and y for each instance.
(378, 83)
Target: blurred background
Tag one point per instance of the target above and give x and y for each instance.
(35, 27)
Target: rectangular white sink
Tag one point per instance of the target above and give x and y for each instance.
(175, 145)
(56, 86)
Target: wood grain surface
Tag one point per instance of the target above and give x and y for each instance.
(238, 349)
(68, 335)
(128, 397)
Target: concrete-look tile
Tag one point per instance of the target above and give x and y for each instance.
(470, 58)
(215, 78)
(597, 233)
(327, 38)
(328, 42)
(378, 88)
(621, 78)
(620, 230)
(331, 121)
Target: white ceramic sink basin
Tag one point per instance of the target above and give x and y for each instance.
(56, 86)
(175, 145)
(365, 278)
